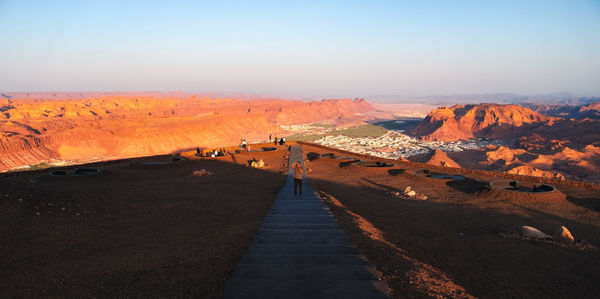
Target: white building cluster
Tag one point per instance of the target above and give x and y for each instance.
(394, 145)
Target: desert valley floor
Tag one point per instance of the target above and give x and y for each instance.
(155, 230)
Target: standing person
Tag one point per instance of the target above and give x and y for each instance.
(275, 139)
(270, 138)
(244, 145)
(298, 171)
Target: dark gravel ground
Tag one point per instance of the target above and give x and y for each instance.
(131, 230)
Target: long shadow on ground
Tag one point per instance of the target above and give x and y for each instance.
(130, 231)
(450, 249)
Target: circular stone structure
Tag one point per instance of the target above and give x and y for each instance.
(77, 172)
(515, 186)
(374, 164)
(312, 156)
(424, 172)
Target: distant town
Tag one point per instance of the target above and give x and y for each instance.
(394, 144)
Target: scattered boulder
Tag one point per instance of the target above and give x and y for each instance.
(563, 235)
(201, 172)
(409, 192)
(534, 233)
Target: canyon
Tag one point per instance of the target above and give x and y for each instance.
(81, 127)
(41, 129)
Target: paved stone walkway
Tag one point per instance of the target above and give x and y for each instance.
(300, 251)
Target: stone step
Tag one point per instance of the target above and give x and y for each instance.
(311, 249)
(301, 232)
(312, 226)
(298, 218)
(299, 207)
(302, 289)
(300, 213)
(305, 271)
(291, 197)
(305, 259)
(320, 240)
(296, 208)
(298, 201)
(306, 220)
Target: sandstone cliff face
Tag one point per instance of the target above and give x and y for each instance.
(484, 120)
(109, 127)
(540, 145)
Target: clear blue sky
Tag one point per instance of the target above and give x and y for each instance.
(302, 48)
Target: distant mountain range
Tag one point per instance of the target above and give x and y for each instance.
(498, 98)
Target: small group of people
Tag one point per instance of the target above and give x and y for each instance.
(211, 153)
(275, 141)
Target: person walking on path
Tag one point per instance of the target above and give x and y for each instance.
(298, 171)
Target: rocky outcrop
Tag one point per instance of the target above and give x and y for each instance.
(484, 120)
(540, 145)
(563, 235)
(440, 158)
(534, 233)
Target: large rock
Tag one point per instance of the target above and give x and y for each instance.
(534, 233)
(563, 235)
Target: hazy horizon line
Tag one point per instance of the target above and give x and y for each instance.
(372, 97)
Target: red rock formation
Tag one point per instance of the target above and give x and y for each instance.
(109, 127)
(545, 146)
(532, 171)
(484, 120)
(440, 158)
